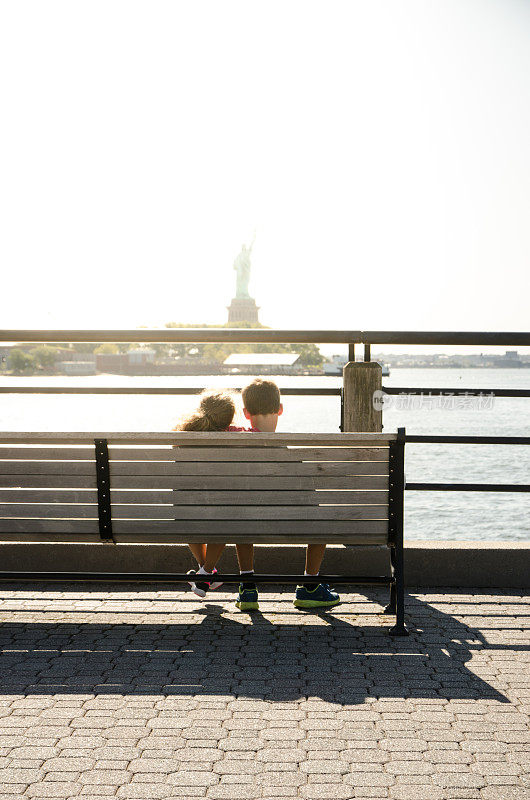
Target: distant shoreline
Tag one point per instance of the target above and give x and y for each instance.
(210, 369)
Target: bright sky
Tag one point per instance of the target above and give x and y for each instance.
(380, 151)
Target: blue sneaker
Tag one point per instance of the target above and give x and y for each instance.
(319, 597)
(247, 599)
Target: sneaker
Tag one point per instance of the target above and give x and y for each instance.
(198, 587)
(319, 597)
(215, 584)
(201, 587)
(247, 599)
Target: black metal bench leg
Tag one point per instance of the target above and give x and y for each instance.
(391, 608)
(399, 628)
(397, 490)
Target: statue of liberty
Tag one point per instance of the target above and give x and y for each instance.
(242, 267)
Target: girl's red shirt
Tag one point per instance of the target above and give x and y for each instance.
(234, 428)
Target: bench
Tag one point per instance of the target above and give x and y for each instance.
(124, 488)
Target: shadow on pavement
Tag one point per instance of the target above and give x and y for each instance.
(265, 656)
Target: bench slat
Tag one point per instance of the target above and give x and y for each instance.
(198, 454)
(68, 537)
(207, 528)
(197, 482)
(183, 497)
(21, 526)
(200, 439)
(259, 468)
(147, 512)
(361, 539)
(364, 538)
(51, 481)
(17, 495)
(306, 468)
(85, 453)
(247, 527)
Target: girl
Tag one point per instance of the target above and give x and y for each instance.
(215, 413)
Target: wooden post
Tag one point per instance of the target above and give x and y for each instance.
(360, 380)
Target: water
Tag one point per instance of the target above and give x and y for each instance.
(428, 515)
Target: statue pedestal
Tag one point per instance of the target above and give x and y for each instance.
(243, 309)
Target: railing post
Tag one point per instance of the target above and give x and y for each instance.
(360, 380)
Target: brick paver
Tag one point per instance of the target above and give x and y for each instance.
(153, 694)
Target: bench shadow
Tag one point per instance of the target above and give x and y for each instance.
(261, 656)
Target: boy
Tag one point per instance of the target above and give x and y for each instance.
(262, 407)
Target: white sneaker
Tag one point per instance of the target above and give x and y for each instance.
(215, 584)
(201, 587)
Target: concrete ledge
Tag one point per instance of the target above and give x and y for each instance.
(444, 563)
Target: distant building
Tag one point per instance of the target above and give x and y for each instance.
(261, 359)
(77, 367)
(132, 360)
(111, 362)
(65, 354)
(509, 359)
(264, 363)
(336, 364)
(140, 357)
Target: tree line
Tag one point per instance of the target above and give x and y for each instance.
(45, 357)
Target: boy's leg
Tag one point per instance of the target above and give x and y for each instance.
(245, 557)
(313, 558)
(247, 599)
(312, 595)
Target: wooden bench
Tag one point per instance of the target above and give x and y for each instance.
(123, 488)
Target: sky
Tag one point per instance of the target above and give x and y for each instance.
(379, 152)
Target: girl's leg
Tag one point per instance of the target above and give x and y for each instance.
(245, 557)
(313, 558)
(213, 553)
(199, 552)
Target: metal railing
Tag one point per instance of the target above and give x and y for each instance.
(264, 335)
(466, 487)
(498, 338)
(325, 391)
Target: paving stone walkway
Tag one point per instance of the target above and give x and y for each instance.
(137, 694)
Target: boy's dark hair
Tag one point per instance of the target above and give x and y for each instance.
(261, 397)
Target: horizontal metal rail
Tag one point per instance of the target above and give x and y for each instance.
(496, 338)
(172, 390)
(411, 437)
(327, 391)
(166, 577)
(414, 390)
(183, 335)
(467, 487)
(499, 338)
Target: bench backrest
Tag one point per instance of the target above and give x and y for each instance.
(181, 487)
